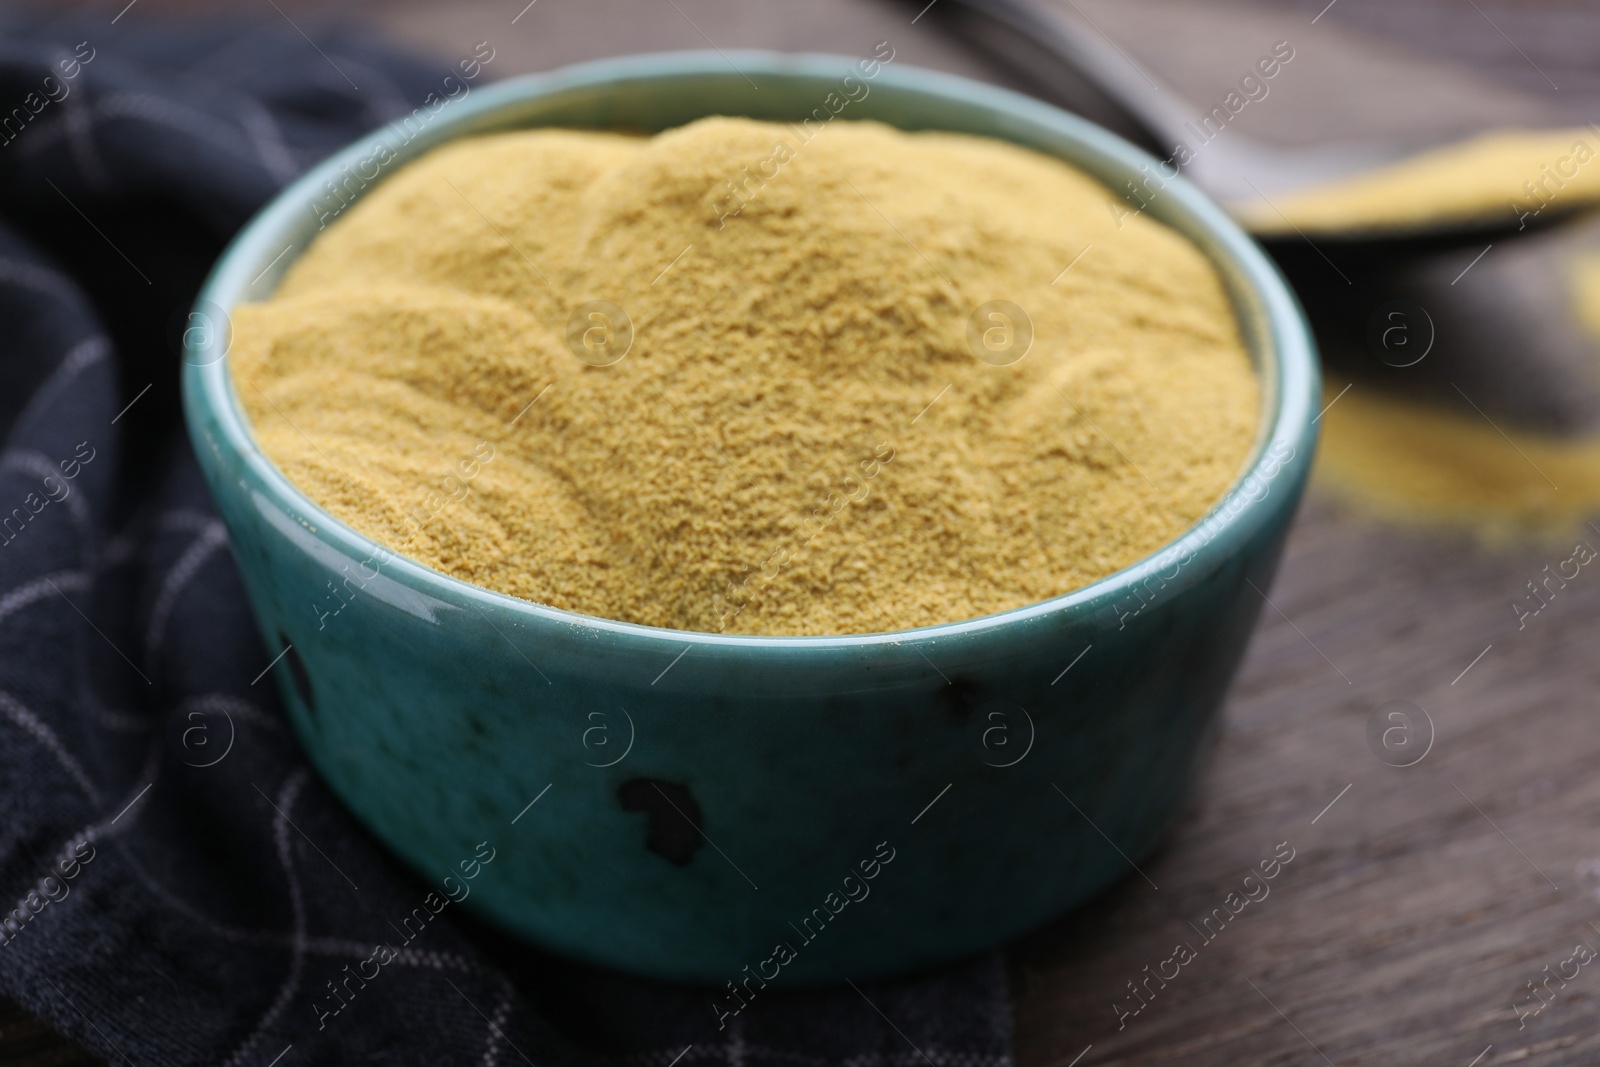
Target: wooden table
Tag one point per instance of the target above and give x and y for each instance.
(1420, 901)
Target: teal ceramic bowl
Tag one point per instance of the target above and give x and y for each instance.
(752, 809)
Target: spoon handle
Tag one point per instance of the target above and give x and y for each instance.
(1072, 38)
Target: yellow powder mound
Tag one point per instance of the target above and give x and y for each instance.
(1507, 176)
(1416, 464)
(800, 439)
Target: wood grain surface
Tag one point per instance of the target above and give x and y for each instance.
(1424, 904)
(1419, 904)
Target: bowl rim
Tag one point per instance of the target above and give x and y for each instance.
(1284, 345)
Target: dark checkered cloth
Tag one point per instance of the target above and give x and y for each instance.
(162, 900)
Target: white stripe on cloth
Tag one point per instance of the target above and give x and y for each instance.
(40, 588)
(30, 276)
(76, 115)
(502, 1011)
(35, 727)
(157, 111)
(124, 546)
(211, 538)
(120, 823)
(297, 961)
(42, 466)
(262, 129)
(85, 353)
(229, 705)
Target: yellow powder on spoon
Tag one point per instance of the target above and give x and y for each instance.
(798, 437)
(1506, 177)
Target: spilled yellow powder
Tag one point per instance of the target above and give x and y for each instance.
(1416, 464)
(1583, 290)
(800, 439)
(1508, 176)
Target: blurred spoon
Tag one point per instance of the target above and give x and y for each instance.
(1415, 146)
